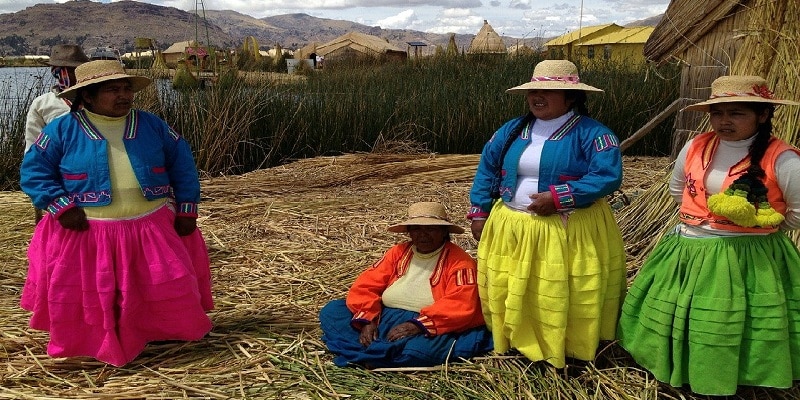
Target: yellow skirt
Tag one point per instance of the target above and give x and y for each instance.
(551, 287)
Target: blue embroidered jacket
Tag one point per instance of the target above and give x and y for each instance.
(68, 164)
(580, 164)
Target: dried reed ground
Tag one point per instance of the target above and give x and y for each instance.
(283, 242)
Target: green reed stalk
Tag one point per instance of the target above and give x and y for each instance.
(438, 104)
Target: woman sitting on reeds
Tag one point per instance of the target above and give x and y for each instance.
(717, 302)
(417, 306)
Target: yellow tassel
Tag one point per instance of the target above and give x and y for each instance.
(767, 216)
(733, 207)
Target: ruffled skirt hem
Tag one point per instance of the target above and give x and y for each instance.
(551, 287)
(716, 313)
(107, 291)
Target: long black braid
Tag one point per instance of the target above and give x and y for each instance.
(754, 177)
(77, 102)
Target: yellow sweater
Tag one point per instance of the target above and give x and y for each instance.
(127, 199)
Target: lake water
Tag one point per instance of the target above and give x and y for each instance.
(20, 85)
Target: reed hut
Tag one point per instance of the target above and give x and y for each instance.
(353, 45)
(487, 41)
(565, 46)
(719, 37)
(176, 53)
(307, 50)
(520, 49)
(710, 39)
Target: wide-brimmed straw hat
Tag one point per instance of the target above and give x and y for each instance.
(426, 213)
(554, 74)
(739, 88)
(100, 71)
(66, 55)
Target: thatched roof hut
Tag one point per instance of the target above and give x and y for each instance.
(520, 49)
(719, 37)
(487, 41)
(176, 53)
(356, 44)
(307, 51)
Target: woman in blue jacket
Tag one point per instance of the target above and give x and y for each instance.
(551, 263)
(117, 261)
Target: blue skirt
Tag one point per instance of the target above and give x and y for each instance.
(414, 351)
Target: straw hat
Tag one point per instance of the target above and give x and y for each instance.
(554, 74)
(100, 71)
(426, 213)
(66, 55)
(738, 88)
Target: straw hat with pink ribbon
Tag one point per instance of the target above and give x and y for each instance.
(739, 88)
(554, 74)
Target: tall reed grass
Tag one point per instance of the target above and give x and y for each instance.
(440, 104)
(17, 91)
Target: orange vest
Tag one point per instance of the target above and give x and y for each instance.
(694, 209)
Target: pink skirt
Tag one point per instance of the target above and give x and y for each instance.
(107, 291)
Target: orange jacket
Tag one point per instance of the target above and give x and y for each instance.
(455, 307)
(694, 209)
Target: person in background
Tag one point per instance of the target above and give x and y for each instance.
(717, 302)
(46, 107)
(117, 261)
(417, 306)
(551, 262)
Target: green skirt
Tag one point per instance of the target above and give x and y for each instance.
(551, 287)
(715, 313)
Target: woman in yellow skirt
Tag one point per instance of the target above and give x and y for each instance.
(551, 263)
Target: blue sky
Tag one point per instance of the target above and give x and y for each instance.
(516, 18)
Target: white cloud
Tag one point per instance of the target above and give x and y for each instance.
(518, 18)
(455, 12)
(520, 4)
(456, 20)
(404, 20)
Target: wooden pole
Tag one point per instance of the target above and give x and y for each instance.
(675, 106)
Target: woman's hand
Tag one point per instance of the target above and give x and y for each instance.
(185, 225)
(405, 329)
(368, 333)
(74, 219)
(542, 204)
(477, 228)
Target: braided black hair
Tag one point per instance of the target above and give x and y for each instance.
(752, 180)
(762, 139)
(77, 102)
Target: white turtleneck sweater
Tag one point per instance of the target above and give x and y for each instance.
(528, 170)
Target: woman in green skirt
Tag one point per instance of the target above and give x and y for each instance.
(717, 303)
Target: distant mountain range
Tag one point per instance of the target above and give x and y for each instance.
(87, 23)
